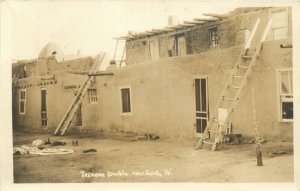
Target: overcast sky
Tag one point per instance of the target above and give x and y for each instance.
(91, 25)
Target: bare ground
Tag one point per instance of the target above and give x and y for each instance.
(150, 161)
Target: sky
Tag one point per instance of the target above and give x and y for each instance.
(91, 25)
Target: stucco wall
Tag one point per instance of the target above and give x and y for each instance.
(58, 99)
(163, 97)
(40, 67)
(163, 94)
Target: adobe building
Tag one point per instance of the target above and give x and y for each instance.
(169, 82)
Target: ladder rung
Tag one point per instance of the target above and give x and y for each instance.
(216, 120)
(244, 67)
(247, 56)
(236, 76)
(252, 48)
(213, 131)
(228, 99)
(235, 87)
(208, 142)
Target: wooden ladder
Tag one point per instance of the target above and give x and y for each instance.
(69, 115)
(119, 59)
(230, 96)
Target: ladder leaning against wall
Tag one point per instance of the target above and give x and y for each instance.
(120, 52)
(69, 115)
(230, 96)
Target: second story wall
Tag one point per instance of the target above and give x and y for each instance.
(228, 32)
(46, 66)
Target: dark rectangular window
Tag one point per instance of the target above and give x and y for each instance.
(93, 95)
(286, 95)
(22, 101)
(213, 36)
(126, 102)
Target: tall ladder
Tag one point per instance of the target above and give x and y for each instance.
(69, 115)
(230, 96)
(119, 54)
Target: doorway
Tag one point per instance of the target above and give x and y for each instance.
(201, 101)
(79, 116)
(44, 118)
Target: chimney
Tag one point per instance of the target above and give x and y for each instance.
(172, 20)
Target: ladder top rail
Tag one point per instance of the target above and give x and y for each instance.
(247, 45)
(263, 38)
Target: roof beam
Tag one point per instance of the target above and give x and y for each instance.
(205, 19)
(193, 22)
(162, 30)
(175, 27)
(187, 25)
(215, 15)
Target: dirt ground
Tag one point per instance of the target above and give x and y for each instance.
(120, 157)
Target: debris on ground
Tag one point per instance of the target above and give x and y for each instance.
(251, 141)
(75, 143)
(147, 137)
(262, 141)
(233, 139)
(52, 151)
(40, 147)
(278, 152)
(37, 143)
(89, 151)
(47, 142)
(58, 143)
(247, 141)
(23, 150)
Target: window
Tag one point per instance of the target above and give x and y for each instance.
(22, 101)
(125, 100)
(285, 95)
(93, 95)
(279, 24)
(213, 36)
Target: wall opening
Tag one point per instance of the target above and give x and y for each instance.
(285, 84)
(213, 39)
(44, 118)
(79, 116)
(93, 98)
(126, 100)
(22, 101)
(201, 101)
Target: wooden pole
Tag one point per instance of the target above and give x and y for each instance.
(258, 146)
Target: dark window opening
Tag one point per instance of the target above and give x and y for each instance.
(93, 95)
(54, 52)
(22, 101)
(126, 104)
(79, 116)
(287, 110)
(213, 36)
(44, 118)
